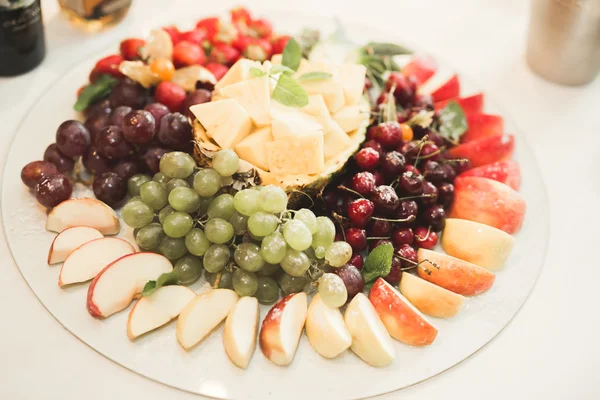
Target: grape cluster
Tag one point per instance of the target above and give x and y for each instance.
(246, 240)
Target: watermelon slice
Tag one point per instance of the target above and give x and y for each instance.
(470, 104)
(507, 172)
(481, 126)
(485, 150)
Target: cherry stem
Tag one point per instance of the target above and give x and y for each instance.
(409, 219)
(347, 189)
(379, 237)
(417, 265)
(421, 143)
(421, 196)
(421, 238)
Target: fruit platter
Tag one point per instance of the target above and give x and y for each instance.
(245, 199)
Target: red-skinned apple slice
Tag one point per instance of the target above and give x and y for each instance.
(154, 311)
(83, 212)
(203, 314)
(488, 202)
(482, 126)
(241, 329)
(421, 67)
(454, 274)
(486, 246)
(370, 339)
(430, 299)
(402, 320)
(115, 287)
(485, 150)
(470, 104)
(325, 329)
(507, 172)
(282, 327)
(86, 261)
(441, 86)
(68, 240)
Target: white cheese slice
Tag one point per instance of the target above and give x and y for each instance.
(225, 121)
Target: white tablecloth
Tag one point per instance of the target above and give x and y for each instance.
(549, 351)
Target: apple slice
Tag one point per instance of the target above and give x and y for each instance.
(241, 329)
(441, 86)
(370, 339)
(203, 314)
(401, 319)
(154, 311)
(68, 240)
(86, 261)
(489, 202)
(83, 212)
(114, 288)
(325, 329)
(282, 327)
(421, 67)
(486, 246)
(485, 150)
(454, 274)
(507, 172)
(470, 104)
(430, 299)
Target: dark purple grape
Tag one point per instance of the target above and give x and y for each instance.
(429, 195)
(175, 131)
(62, 162)
(158, 111)
(128, 93)
(433, 171)
(199, 96)
(393, 164)
(110, 188)
(379, 228)
(139, 127)
(435, 216)
(111, 143)
(151, 157)
(411, 183)
(53, 190)
(393, 278)
(95, 124)
(94, 162)
(33, 172)
(353, 279)
(72, 138)
(102, 107)
(385, 199)
(126, 168)
(407, 209)
(445, 194)
(118, 115)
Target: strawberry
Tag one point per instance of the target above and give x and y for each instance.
(130, 48)
(196, 36)
(170, 94)
(279, 43)
(241, 42)
(227, 34)
(187, 53)
(173, 32)
(224, 54)
(218, 70)
(240, 15)
(211, 25)
(258, 49)
(107, 65)
(262, 27)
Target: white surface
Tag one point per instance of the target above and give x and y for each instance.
(549, 350)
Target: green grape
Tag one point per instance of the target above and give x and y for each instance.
(219, 280)
(273, 248)
(257, 239)
(135, 231)
(161, 178)
(239, 223)
(291, 284)
(150, 236)
(247, 256)
(218, 230)
(196, 242)
(154, 195)
(184, 199)
(244, 283)
(207, 182)
(268, 270)
(333, 290)
(309, 219)
(325, 234)
(175, 183)
(164, 213)
(320, 252)
(177, 164)
(134, 199)
(135, 182)
(221, 207)
(295, 262)
(137, 214)
(273, 199)
(246, 201)
(178, 224)
(226, 162)
(267, 291)
(262, 223)
(338, 254)
(187, 269)
(216, 257)
(172, 248)
(297, 235)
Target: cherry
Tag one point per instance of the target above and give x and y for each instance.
(436, 138)
(379, 180)
(402, 236)
(425, 238)
(434, 216)
(357, 260)
(412, 168)
(393, 278)
(330, 197)
(393, 164)
(371, 133)
(367, 158)
(405, 88)
(407, 209)
(462, 165)
(374, 145)
(424, 101)
(359, 212)
(356, 238)
(449, 172)
(376, 243)
(430, 151)
(433, 171)
(388, 134)
(411, 183)
(363, 182)
(407, 254)
(385, 199)
(411, 150)
(445, 194)
(430, 194)
(379, 228)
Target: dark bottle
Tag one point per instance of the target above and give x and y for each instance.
(22, 45)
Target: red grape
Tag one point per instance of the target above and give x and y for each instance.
(33, 172)
(94, 162)
(126, 168)
(96, 123)
(138, 127)
(110, 188)
(128, 93)
(353, 279)
(102, 107)
(118, 115)
(175, 131)
(151, 157)
(72, 138)
(111, 143)
(53, 190)
(62, 162)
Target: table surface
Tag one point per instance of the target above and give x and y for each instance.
(550, 349)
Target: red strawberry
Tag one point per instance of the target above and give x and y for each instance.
(224, 54)
(279, 43)
(130, 48)
(259, 50)
(211, 25)
(218, 70)
(240, 15)
(186, 53)
(241, 42)
(262, 27)
(173, 32)
(196, 36)
(107, 65)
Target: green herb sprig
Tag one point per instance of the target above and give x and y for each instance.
(95, 91)
(378, 263)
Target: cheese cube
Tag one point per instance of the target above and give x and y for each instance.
(253, 147)
(352, 77)
(238, 72)
(351, 117)
(254, 95)
(225, 121)
(302, 155)
(335, 141)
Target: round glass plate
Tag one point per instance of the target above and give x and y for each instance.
(206, 369)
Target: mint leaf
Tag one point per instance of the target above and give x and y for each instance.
(95, 91)
(386, 49)
(292, 55)
(276, 69)
(453, 123)
(149, 288)
(257, 72)
(378, 263)
(289, 93)
(166, 279)
(314, 76)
